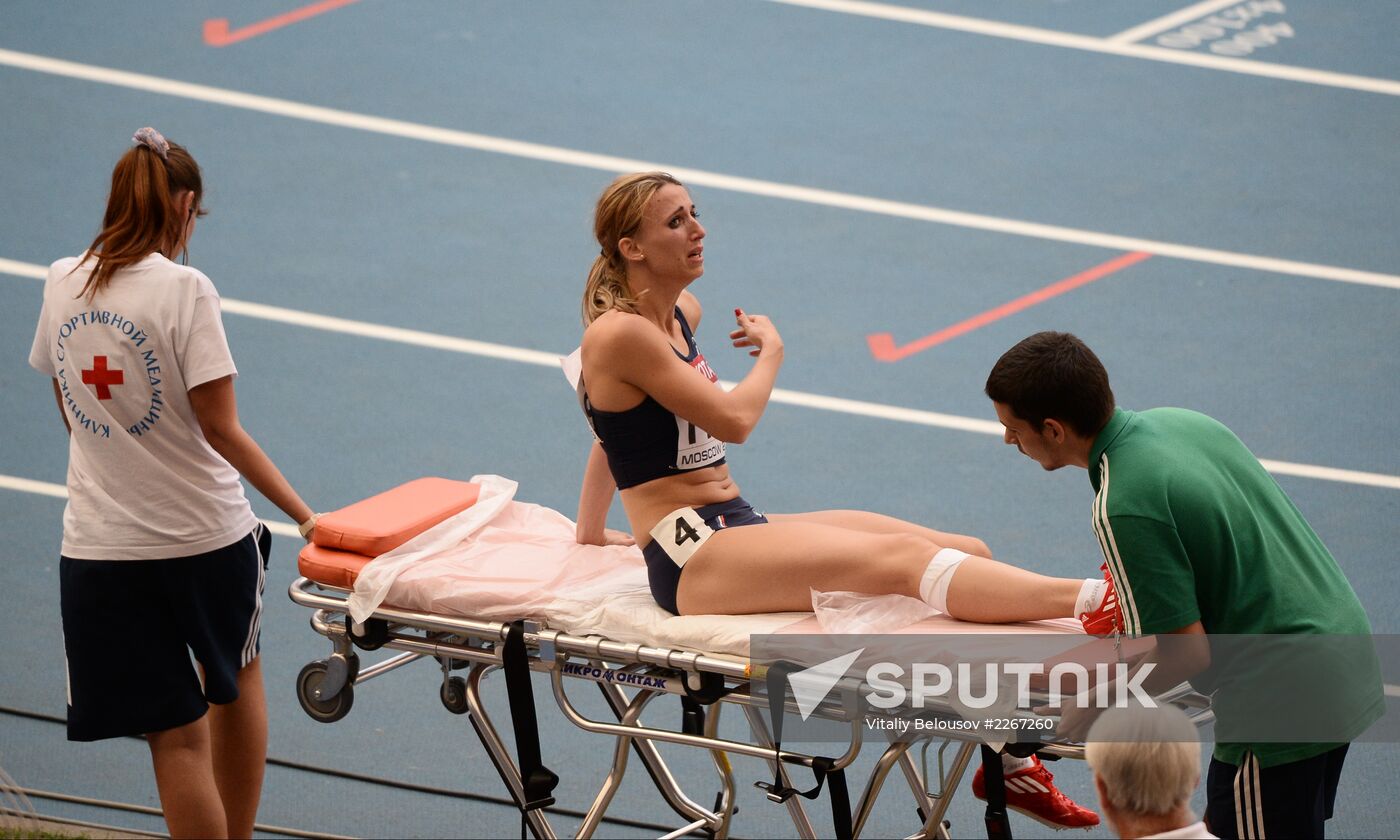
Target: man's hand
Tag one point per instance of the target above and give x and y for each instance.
(1074, 719)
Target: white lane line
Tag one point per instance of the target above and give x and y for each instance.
(881, 411)
(1392, 690)
(1050, 37)
(364, 329)
(23, 269)
(1390, 482)
(1171, 21)
(58, 491)
(38, 488)
(840, 405)
(697, 177)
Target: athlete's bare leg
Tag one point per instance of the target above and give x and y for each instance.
(879, 523)
(993, 592)
(774, 567)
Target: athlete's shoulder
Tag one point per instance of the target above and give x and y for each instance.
(616, 334)
(616, 325)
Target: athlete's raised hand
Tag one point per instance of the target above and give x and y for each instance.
(756, 331)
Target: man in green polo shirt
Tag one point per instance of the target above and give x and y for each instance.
(1199, 539)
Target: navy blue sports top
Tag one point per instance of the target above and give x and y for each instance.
(647, 442)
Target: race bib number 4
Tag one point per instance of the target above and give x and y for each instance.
(680, 533)
(695, 447)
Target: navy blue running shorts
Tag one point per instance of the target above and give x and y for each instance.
(1286, 800)
(129, 627)
(662, 572)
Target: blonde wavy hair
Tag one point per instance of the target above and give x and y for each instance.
(617, 216)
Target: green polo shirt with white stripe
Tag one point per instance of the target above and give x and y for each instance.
(1195, 529)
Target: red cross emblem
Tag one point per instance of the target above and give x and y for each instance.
(102, 377)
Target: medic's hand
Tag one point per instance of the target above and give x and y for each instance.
(756, 331)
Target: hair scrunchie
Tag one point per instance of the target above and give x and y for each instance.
(152, 139)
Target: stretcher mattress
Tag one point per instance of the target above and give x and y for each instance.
(497, 559)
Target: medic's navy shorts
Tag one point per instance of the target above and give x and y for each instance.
(129, 627)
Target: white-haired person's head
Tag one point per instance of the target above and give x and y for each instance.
(1146, 763)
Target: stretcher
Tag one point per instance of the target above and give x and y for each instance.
(462, 575)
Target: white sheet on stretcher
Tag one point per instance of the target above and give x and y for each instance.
(502, 560)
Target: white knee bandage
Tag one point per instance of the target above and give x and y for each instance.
(933, 587)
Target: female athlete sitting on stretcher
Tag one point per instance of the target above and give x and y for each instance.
(661, 423)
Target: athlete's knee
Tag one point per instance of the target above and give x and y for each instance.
(901, 559)
(963, 543)
(975, 547)
(909, 547)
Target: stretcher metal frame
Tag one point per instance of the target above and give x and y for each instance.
(326, 687)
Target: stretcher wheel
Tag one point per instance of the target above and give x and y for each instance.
(330, 709)
(454, 695)
(375, 636)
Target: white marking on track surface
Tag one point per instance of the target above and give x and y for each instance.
(1089, 43)
(1171, 21)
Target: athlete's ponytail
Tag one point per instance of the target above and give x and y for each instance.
(607, 288)
(142, 213)
(618, 215)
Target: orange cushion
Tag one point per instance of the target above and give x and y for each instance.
(330, 567)
(384, 522)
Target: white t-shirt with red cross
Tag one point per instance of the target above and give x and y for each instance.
(143, 483)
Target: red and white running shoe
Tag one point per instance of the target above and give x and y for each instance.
(1105, 619)
(1031, 791)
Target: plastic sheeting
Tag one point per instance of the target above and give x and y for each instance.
(857, 612)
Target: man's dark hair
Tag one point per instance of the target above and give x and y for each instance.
(1053, 374)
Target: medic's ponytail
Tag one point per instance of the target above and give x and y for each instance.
(143, 214)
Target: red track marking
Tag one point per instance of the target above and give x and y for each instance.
(882, 345)
(217, 33)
